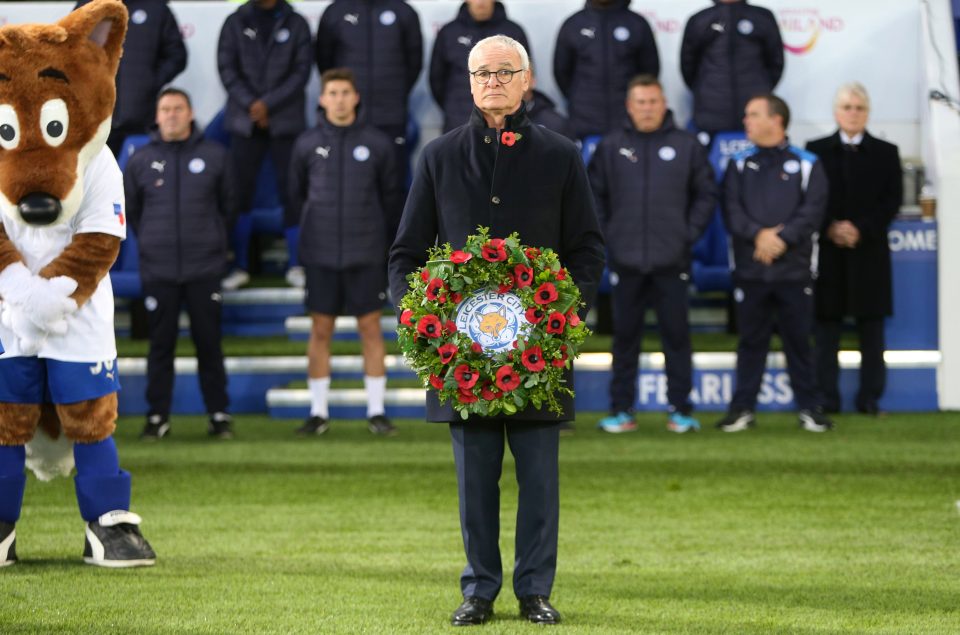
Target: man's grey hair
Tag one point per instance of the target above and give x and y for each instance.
(855, 89)
(501, 41)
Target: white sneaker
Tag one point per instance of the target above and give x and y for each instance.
(296, 277)
(236, 279)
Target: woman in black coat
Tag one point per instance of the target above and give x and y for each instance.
(854, 266)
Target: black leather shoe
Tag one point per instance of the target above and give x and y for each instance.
(473, 611)
(537, 609)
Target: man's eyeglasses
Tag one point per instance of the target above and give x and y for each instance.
(504, 75)
(857, 107)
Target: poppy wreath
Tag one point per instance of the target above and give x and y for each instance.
(477, 379)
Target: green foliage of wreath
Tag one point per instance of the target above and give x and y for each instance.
(477, 381)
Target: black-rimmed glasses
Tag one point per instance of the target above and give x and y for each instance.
(504, 75)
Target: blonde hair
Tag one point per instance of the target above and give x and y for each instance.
(856, 89)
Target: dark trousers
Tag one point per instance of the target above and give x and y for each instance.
(873, 369)
(478, 454)
(760, 306)
(202, 299)
(246, 158)
(632, 294)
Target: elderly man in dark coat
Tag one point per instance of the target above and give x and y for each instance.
(855, 279)
(534, 184)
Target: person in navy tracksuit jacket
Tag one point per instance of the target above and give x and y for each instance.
(344, 186)
(263, 56)
(655, 194)
(380, 41)
(774, 199)
(180, 203)
(730, 52)
(599, 50)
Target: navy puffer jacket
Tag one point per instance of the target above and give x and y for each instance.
(543, 112)
(273, 67)
(180, 204)
(344, 183)
(599, 50)
(656, 193)
(449, 81)
(730, 53)
(380, 41)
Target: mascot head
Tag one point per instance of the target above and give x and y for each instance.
(56, 100)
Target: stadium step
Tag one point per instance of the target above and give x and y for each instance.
(349, 403)
(256, 384)
(298, 327)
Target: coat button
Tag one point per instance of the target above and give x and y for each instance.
(495, 200)
(487, 139)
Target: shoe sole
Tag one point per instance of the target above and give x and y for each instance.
(814, 428)
(738, 426)
(378, 433)
(120, 564)
(480, 623)
(7, 563)
(619, 429)
(682, 429)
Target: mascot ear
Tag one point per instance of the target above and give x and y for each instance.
(103, 22)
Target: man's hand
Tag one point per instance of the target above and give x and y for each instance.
(259, 114)
(768, 246)
(843, 233)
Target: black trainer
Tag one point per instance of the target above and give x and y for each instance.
(114, 540)
(381, 426)
(537, 609)
(157, 427)
(8, 544)
(313, 425)
(737, 421)
(219, 426)
(473, 611)
(814, 421)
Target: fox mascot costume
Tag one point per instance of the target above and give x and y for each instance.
(62, 211)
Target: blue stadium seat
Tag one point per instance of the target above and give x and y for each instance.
(130, 145)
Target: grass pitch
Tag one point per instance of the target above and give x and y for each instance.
(769, 531)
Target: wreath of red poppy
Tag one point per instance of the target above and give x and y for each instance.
(472, 377)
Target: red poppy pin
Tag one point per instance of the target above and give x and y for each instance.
(509, 138)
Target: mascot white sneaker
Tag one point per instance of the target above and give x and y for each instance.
(62, 213)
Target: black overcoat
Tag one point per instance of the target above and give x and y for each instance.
(537, 187)
(866, 188)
